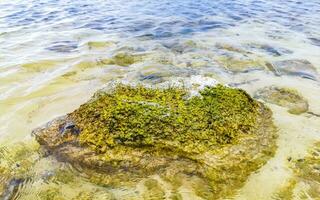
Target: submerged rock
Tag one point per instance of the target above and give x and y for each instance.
(242, 65)
(305, 183)
(214, 140)
(15, 167)
(295, 67)
(285, 97)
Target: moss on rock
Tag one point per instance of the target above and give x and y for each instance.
(130, 133)
(166, 118)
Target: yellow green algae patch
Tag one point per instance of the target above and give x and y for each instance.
(208, 143)
(140, 116)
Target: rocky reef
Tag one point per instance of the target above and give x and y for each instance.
(211, 141)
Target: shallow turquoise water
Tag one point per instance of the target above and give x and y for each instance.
(52, 57)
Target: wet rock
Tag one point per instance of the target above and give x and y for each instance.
(295, 67)
(285, 97)
(130, 133)
(69, 127)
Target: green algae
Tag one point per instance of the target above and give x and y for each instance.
(166, 118)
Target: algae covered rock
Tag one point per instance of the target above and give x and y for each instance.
(241, 64)
(211, 141)
(285, 97)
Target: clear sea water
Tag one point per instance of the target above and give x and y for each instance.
(52, 52)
